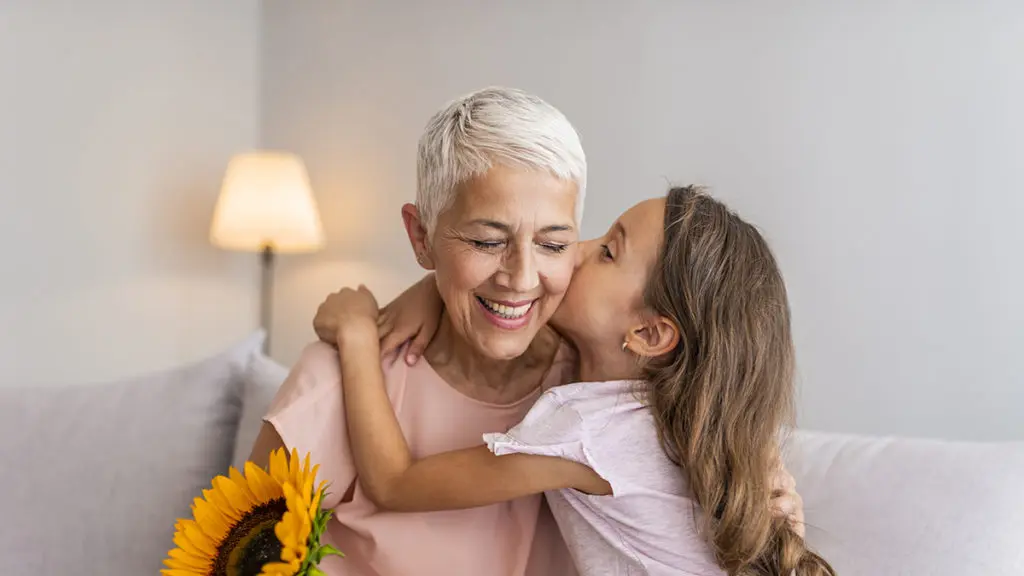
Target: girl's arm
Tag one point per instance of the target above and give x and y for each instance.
(413, 316)
(452, 480)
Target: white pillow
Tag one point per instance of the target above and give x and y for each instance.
(880, 507)
(94, 476)
(262, 378)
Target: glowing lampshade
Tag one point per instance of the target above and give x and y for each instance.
(266, 204)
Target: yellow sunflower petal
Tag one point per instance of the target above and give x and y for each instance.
(312, 476)
(289, 555)
(180, 572)
(191, 561)
(298, 507)
(221, 503)
(314, 505)
(287, 533)
(185, 545)
(254, 483)
(279, 466)
(265, 487)
(234, 495)
(179, 554)
(294, 467)
(243, 485)
(301, 480)
(212, 522)
(200, 540)
(307, 489)
(181, 565)
(181, 540)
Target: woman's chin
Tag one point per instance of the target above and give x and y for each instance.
(503, 346)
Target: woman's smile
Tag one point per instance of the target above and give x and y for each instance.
(508, 315)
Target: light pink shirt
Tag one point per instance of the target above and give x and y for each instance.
(515, 538)
(648, 526)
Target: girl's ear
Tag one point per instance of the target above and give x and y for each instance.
(655, 337)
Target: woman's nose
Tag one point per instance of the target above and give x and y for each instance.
(520, 272)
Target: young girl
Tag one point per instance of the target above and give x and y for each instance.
(681, 320)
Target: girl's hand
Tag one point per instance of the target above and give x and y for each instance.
(415, 314)
(786, 501)
(347, 312)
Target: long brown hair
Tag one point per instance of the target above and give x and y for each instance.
(723, 396)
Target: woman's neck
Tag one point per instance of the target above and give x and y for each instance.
(484, 378)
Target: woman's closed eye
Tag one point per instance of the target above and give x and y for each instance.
(491, 245)
(554, 248)
(487, 245)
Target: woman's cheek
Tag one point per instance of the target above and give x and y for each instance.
(558, 274)
(472, 269)
(556, 283)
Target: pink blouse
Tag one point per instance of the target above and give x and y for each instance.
(513, 538)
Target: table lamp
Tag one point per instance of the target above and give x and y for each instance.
(266, 206)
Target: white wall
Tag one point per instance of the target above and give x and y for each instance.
(117, 118)
(879, 144)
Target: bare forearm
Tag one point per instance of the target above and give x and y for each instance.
(378, 446)
(452, 480)
(473, 477)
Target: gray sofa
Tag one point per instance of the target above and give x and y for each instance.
(94, 476)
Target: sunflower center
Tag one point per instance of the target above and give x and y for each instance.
(251, 543)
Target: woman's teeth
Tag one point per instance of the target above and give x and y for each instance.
(510, 312)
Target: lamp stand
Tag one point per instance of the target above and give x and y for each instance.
(266, 293)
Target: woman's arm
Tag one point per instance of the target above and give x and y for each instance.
(452, 480)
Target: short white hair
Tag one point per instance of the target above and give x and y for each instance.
(494, 126)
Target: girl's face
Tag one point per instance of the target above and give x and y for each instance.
(606, 296)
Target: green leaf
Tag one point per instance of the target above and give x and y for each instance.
(315, 556)
(328, 550)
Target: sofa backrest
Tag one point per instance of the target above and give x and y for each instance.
(883, 506)
(94, 476)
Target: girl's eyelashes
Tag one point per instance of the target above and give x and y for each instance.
(606, 253)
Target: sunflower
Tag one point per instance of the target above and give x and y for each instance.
(260, 524)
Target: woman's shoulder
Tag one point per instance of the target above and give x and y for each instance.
(318, 369)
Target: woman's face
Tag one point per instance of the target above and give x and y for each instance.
(504, 253)
(606, 297)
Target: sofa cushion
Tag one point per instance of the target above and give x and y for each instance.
(95, 475)
(899, 506)
(263, 376)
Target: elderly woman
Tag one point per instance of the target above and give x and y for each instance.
(501, 179)
(501, 183)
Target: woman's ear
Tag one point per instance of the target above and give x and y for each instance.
(417, 236)
(657, 336)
